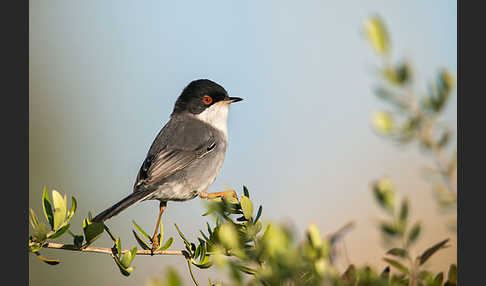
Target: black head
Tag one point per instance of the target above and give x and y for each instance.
(201, 94)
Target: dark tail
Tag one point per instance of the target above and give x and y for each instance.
(121, 205)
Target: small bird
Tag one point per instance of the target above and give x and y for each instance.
(187, 154)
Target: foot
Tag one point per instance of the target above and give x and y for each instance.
(205, 195)
(155, 244)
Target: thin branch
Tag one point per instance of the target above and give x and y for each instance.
(442, 166)
(192, 274)
(340, 232)
(439, 159)
(105, 250)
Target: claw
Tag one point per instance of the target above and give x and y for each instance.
(155, 245)
(205, 195)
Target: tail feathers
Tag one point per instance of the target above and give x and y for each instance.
(121, 205)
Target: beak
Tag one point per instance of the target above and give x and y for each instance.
(234, 99)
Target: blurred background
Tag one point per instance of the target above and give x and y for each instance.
(104, 76)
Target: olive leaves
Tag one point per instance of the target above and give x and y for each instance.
(58, 222)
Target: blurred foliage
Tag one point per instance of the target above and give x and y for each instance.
(58, 218)
(253, 252)
(256, 253)
(414, 116)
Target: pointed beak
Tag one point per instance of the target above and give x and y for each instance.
(234, 99)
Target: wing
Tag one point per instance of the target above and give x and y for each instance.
(167, 162)
(176, 147)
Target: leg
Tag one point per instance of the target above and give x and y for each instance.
(204, 195)
(155, 238)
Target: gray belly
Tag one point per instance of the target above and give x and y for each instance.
(187, 183)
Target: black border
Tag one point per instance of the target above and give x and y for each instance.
(471, 161)
(15, 136)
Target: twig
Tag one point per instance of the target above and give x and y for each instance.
(441, 165)
(192, 274)
(105, 250)
(334, 238)
(340, 232)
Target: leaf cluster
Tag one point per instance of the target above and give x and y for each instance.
(58, 219)
(414, 116)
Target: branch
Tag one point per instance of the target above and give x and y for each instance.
(105, 250)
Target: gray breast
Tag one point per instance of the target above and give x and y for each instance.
(189, 182)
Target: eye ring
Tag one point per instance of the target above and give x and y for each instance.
(207, 99)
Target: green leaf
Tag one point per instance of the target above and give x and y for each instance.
(229, 199)
(444, 138)
(161, 234)
(204, 263)
(384, 194)
(47, 207)
(314, 235)
(34, 221)
(209, 229)
(71, 212)
(59, 232)
(413, 234)
(172, 278)
(204, 247)
(350, 274)
(452, 276)
(118, 246)
(125, 271)
(397, 265)
(35, 248)
(245, 192)
(40, 232)
(385, 273)
(258, 227)
(429, 252)
(48, 261)
(141, 242)
(246, 207)
(404, 211)
(400, 252)
(259, 213)
(167, 244)
(60, 209)
(92, 230)
(128, 271)
(439, 278)
(228, 236)
(389, 229)
(377, 35)
(203, 235)
(389, 96)
(78, 240)
(128, 257)
(186, 242)
(383, 122)
(246, 269)
(198, 251)
(141, 231)
(398, 75)
(207, 213)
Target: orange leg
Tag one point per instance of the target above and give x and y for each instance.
(204, 195)
(155, 238)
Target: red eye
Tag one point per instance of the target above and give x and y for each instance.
(207, 99)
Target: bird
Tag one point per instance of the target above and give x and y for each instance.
(187, 154)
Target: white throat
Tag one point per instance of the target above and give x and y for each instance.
(216, 116)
